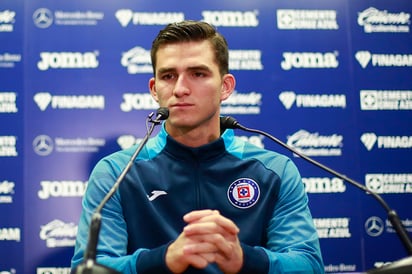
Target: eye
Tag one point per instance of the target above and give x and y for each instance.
(199, 74)
(167, 76)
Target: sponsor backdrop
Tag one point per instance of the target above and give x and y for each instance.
(330, 78)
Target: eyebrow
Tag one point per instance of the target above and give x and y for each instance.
(191, 68)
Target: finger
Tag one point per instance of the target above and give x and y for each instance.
(197, 260)
(205, 243)
(210, 257)
(198, 214)
(212, 223)
(200, 247)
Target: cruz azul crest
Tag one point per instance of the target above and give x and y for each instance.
(243, 193)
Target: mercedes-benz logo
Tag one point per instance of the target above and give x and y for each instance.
(43, 145)
(42, 18)
(374, 226)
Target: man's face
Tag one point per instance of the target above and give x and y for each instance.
(188, 82)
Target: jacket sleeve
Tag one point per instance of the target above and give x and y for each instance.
(112, 242)
(293, 244)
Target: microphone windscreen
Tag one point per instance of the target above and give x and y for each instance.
(162, 113)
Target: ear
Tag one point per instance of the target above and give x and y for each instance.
(228, 86)
(152, 88)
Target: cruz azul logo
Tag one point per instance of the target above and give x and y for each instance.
(243, 193)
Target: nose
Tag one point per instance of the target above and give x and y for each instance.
(181, 87)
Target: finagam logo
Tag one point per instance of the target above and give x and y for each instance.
(44, 99)
(289, 98)
(127, 16)
(369, 140)
(365, 58)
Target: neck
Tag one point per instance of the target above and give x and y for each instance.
(194, 137)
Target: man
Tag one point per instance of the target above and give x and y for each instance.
(198, 200)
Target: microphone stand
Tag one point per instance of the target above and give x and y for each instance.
(399, 267)
(89, 265)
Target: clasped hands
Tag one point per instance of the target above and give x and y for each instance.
(207, 238)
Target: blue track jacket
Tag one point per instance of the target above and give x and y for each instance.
(260, 190)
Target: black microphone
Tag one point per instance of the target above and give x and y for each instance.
(398, 267)
(89, 264)
(162, 113)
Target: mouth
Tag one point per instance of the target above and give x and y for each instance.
(181, 105)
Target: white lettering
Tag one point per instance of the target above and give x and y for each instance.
(309, 60)
(56, 60)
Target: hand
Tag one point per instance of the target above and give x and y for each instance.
(180, 255)
(208, 237)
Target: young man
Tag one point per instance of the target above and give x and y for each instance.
(222, 205)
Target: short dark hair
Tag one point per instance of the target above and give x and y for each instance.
(187, 31)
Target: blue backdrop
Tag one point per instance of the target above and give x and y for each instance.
(330, 78)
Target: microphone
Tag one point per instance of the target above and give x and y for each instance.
(162, 113)
(398, 267)
(89, 264)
